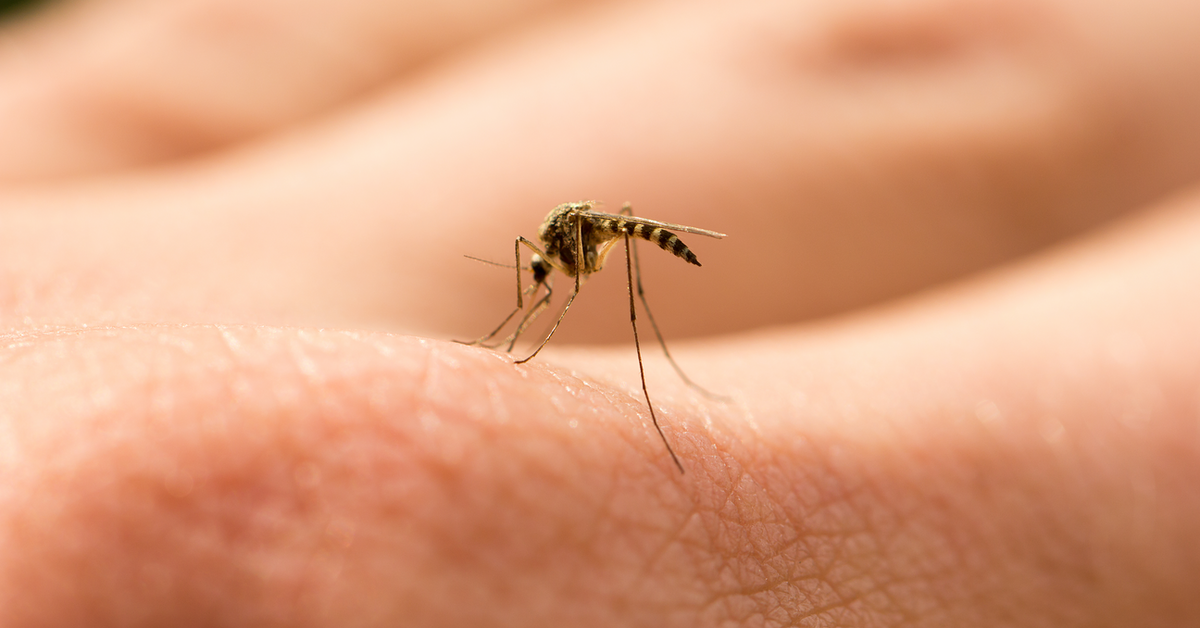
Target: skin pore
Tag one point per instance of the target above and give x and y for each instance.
(954, 314)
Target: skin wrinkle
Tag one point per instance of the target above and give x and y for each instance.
(889, 536)
(604, 515)
(746, 585)
(804, 482)
(617, 392)
(551, 498)
(728, 494)
(847, 527)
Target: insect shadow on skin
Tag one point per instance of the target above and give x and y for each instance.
(576, 240)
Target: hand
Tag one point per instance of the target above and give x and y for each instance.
(217, 409)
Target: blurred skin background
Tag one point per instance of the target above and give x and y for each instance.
(954, 314)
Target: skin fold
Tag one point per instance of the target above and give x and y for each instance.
(953, 316)
(83, 96)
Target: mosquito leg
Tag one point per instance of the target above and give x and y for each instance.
(534, 312)
(638, 347)
(511, 339)
(561, 316)
(520, 301)
(482, 341)
(536, 309)
(574, 292)
(637, 269)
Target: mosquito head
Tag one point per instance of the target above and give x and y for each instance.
(540, 267)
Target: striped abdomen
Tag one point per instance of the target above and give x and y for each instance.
(666, 240)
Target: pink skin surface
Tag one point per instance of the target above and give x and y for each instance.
(955, 315)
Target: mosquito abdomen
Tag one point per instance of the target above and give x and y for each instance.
(665, 240)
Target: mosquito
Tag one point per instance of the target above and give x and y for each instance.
(576, 240)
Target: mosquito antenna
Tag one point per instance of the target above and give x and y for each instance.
(488, 261)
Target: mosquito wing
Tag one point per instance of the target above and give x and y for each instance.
(651, 223)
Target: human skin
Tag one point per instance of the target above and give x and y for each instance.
(82, 95)
(228, 398)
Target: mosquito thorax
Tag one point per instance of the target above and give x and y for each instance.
(558, 234)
